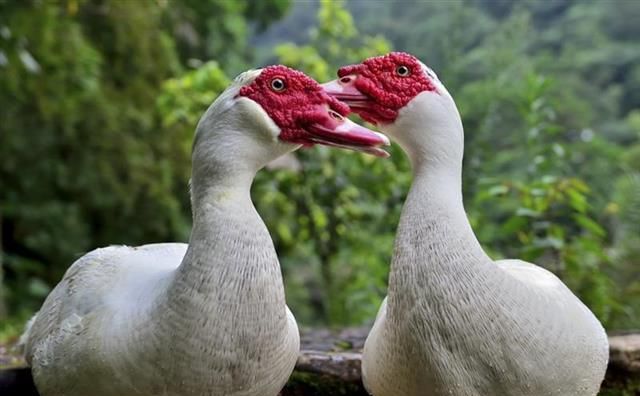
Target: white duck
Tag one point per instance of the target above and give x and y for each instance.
(207, 318)
(455, 322)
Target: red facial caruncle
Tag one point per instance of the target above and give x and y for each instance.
(306, 114)
(379, 87)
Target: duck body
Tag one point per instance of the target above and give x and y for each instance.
(114, 322)
(455, 322)
(463, 325)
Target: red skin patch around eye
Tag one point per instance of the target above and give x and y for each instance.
(388, 92)
(302, 102)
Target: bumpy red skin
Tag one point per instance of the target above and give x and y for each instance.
(386, 90)
(302, 102)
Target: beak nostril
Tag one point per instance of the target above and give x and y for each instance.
(345, 80)
(335, 115)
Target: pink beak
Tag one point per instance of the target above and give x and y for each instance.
(331, 129)
(344, 90)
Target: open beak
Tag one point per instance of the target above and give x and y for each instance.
(345, 91)
(335, 130)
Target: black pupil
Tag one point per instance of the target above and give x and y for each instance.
(403, 71)
(277, 84)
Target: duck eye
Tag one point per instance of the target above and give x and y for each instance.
(402, 71)
(277, 84)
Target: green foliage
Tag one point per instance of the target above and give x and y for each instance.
(180, 104)
(626, 247)
(333, 42)
(96, 133)
(549, 221)
(542, 214)
(72, 129)
(87, 160)
(220, 29)
(184, 98)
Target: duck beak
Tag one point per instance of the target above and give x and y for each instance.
(344, 90)
(332, 129)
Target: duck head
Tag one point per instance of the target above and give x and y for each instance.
(406, 100)
(268, 112)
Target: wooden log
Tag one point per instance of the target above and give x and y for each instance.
(329, 365)
(623, 372)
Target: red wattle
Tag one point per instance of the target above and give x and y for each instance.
(294, 106)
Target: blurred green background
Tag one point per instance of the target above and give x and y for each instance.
(99, 100)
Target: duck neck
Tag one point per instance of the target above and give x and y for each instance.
(230, 262)
(436, 248)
